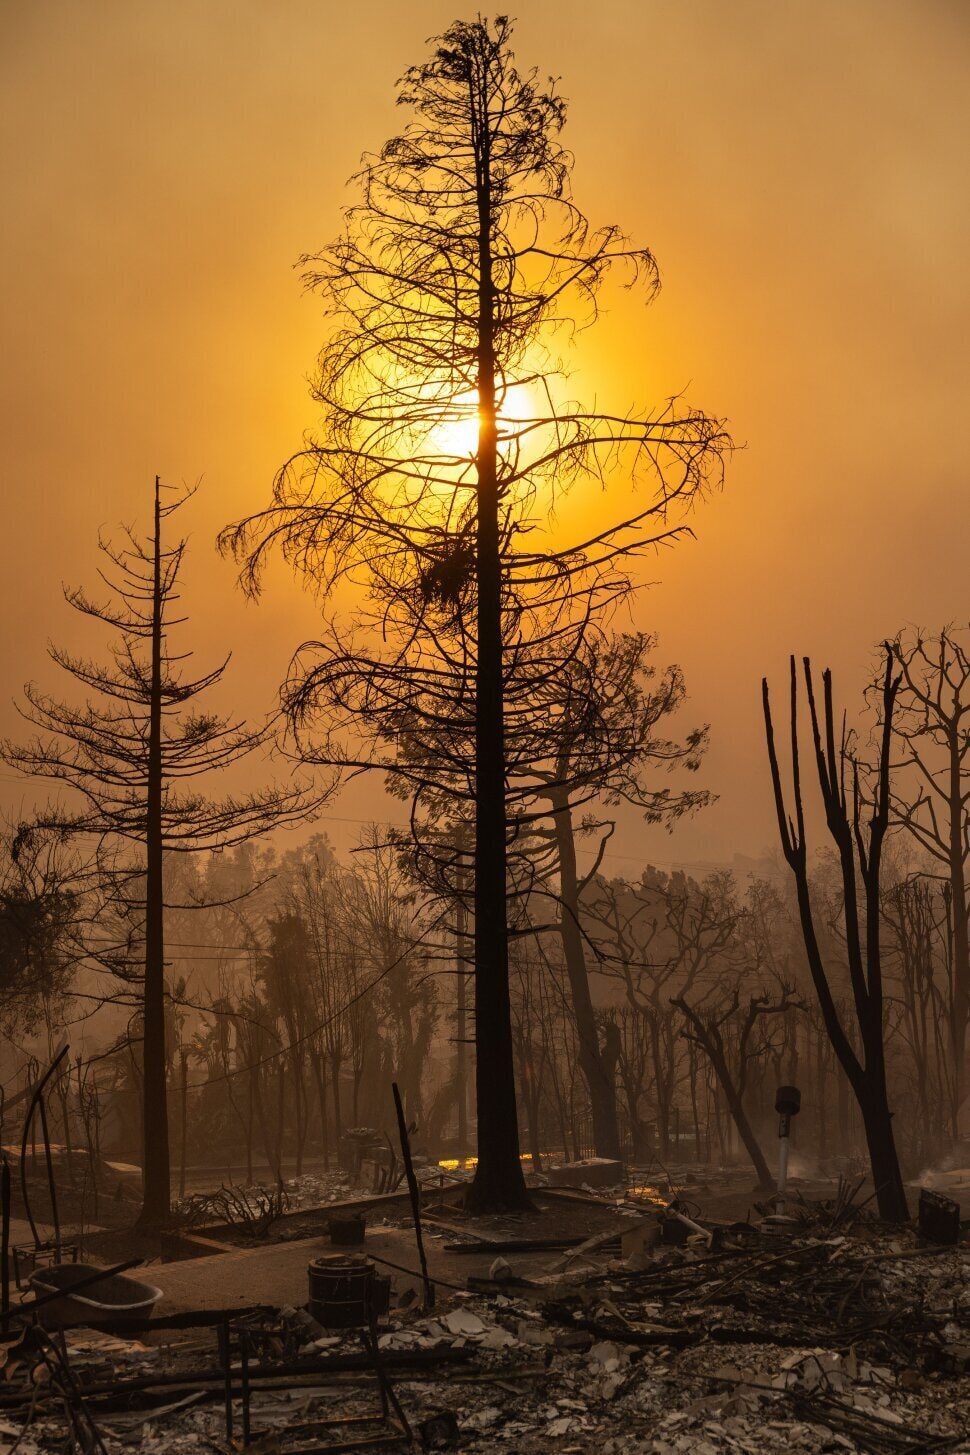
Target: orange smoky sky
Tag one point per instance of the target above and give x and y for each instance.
(799, 169)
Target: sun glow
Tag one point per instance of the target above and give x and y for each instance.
(457, 432)
(454, 434)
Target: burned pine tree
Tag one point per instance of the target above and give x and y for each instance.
(859, 848)
(430, 481)
(126, 753)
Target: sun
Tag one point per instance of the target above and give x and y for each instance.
(455, 433)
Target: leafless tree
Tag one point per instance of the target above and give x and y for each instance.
(858, 825)
(658, 937)
(930, 797)
(918, 920)
(713, 1026)
(609, 716)
(380, 908)
(446, 289)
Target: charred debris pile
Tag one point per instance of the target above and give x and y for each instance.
(624, 1319)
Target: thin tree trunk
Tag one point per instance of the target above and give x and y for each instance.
(280, 1119)
(821, 1105)
(63, 1094)
(661, 1087)
(319, 1077)
(269, 1145)
(157, 1177)
(530, 1098)
(461, 1029)
(960, 1007)
(250, 1124)
(600, 1084)
(499, 1184)
(300, 1102)
(358, 1079)
(335, 1064)
(877, 1121)
(842, 1090)
(866, 1074)
(694, 1110)
(713, 1047)
(184, 1111)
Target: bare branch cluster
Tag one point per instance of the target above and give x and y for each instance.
(100, 748)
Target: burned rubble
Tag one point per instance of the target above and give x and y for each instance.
(432, 1017)
(622, 1319)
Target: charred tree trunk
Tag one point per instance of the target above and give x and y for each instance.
(499, 1184)
(960, 997)
(531, 1090)
(598, 1075)
(461, 1026)
(694, 1108)
(250, 1125)
(280, 1118)
(708, 1035)
(883, 1157)
(335, 1065)
(270, 1145)
(156, 1179)
(844, 809)
(299, 1102)
(319, 1076)
(184, 1120)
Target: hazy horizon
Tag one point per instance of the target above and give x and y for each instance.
(798, 171)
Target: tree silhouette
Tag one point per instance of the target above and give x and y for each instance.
(607, 747)
(858, 828)
(931, 799)
(590, 732)
(130, 752)
(443, 443)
